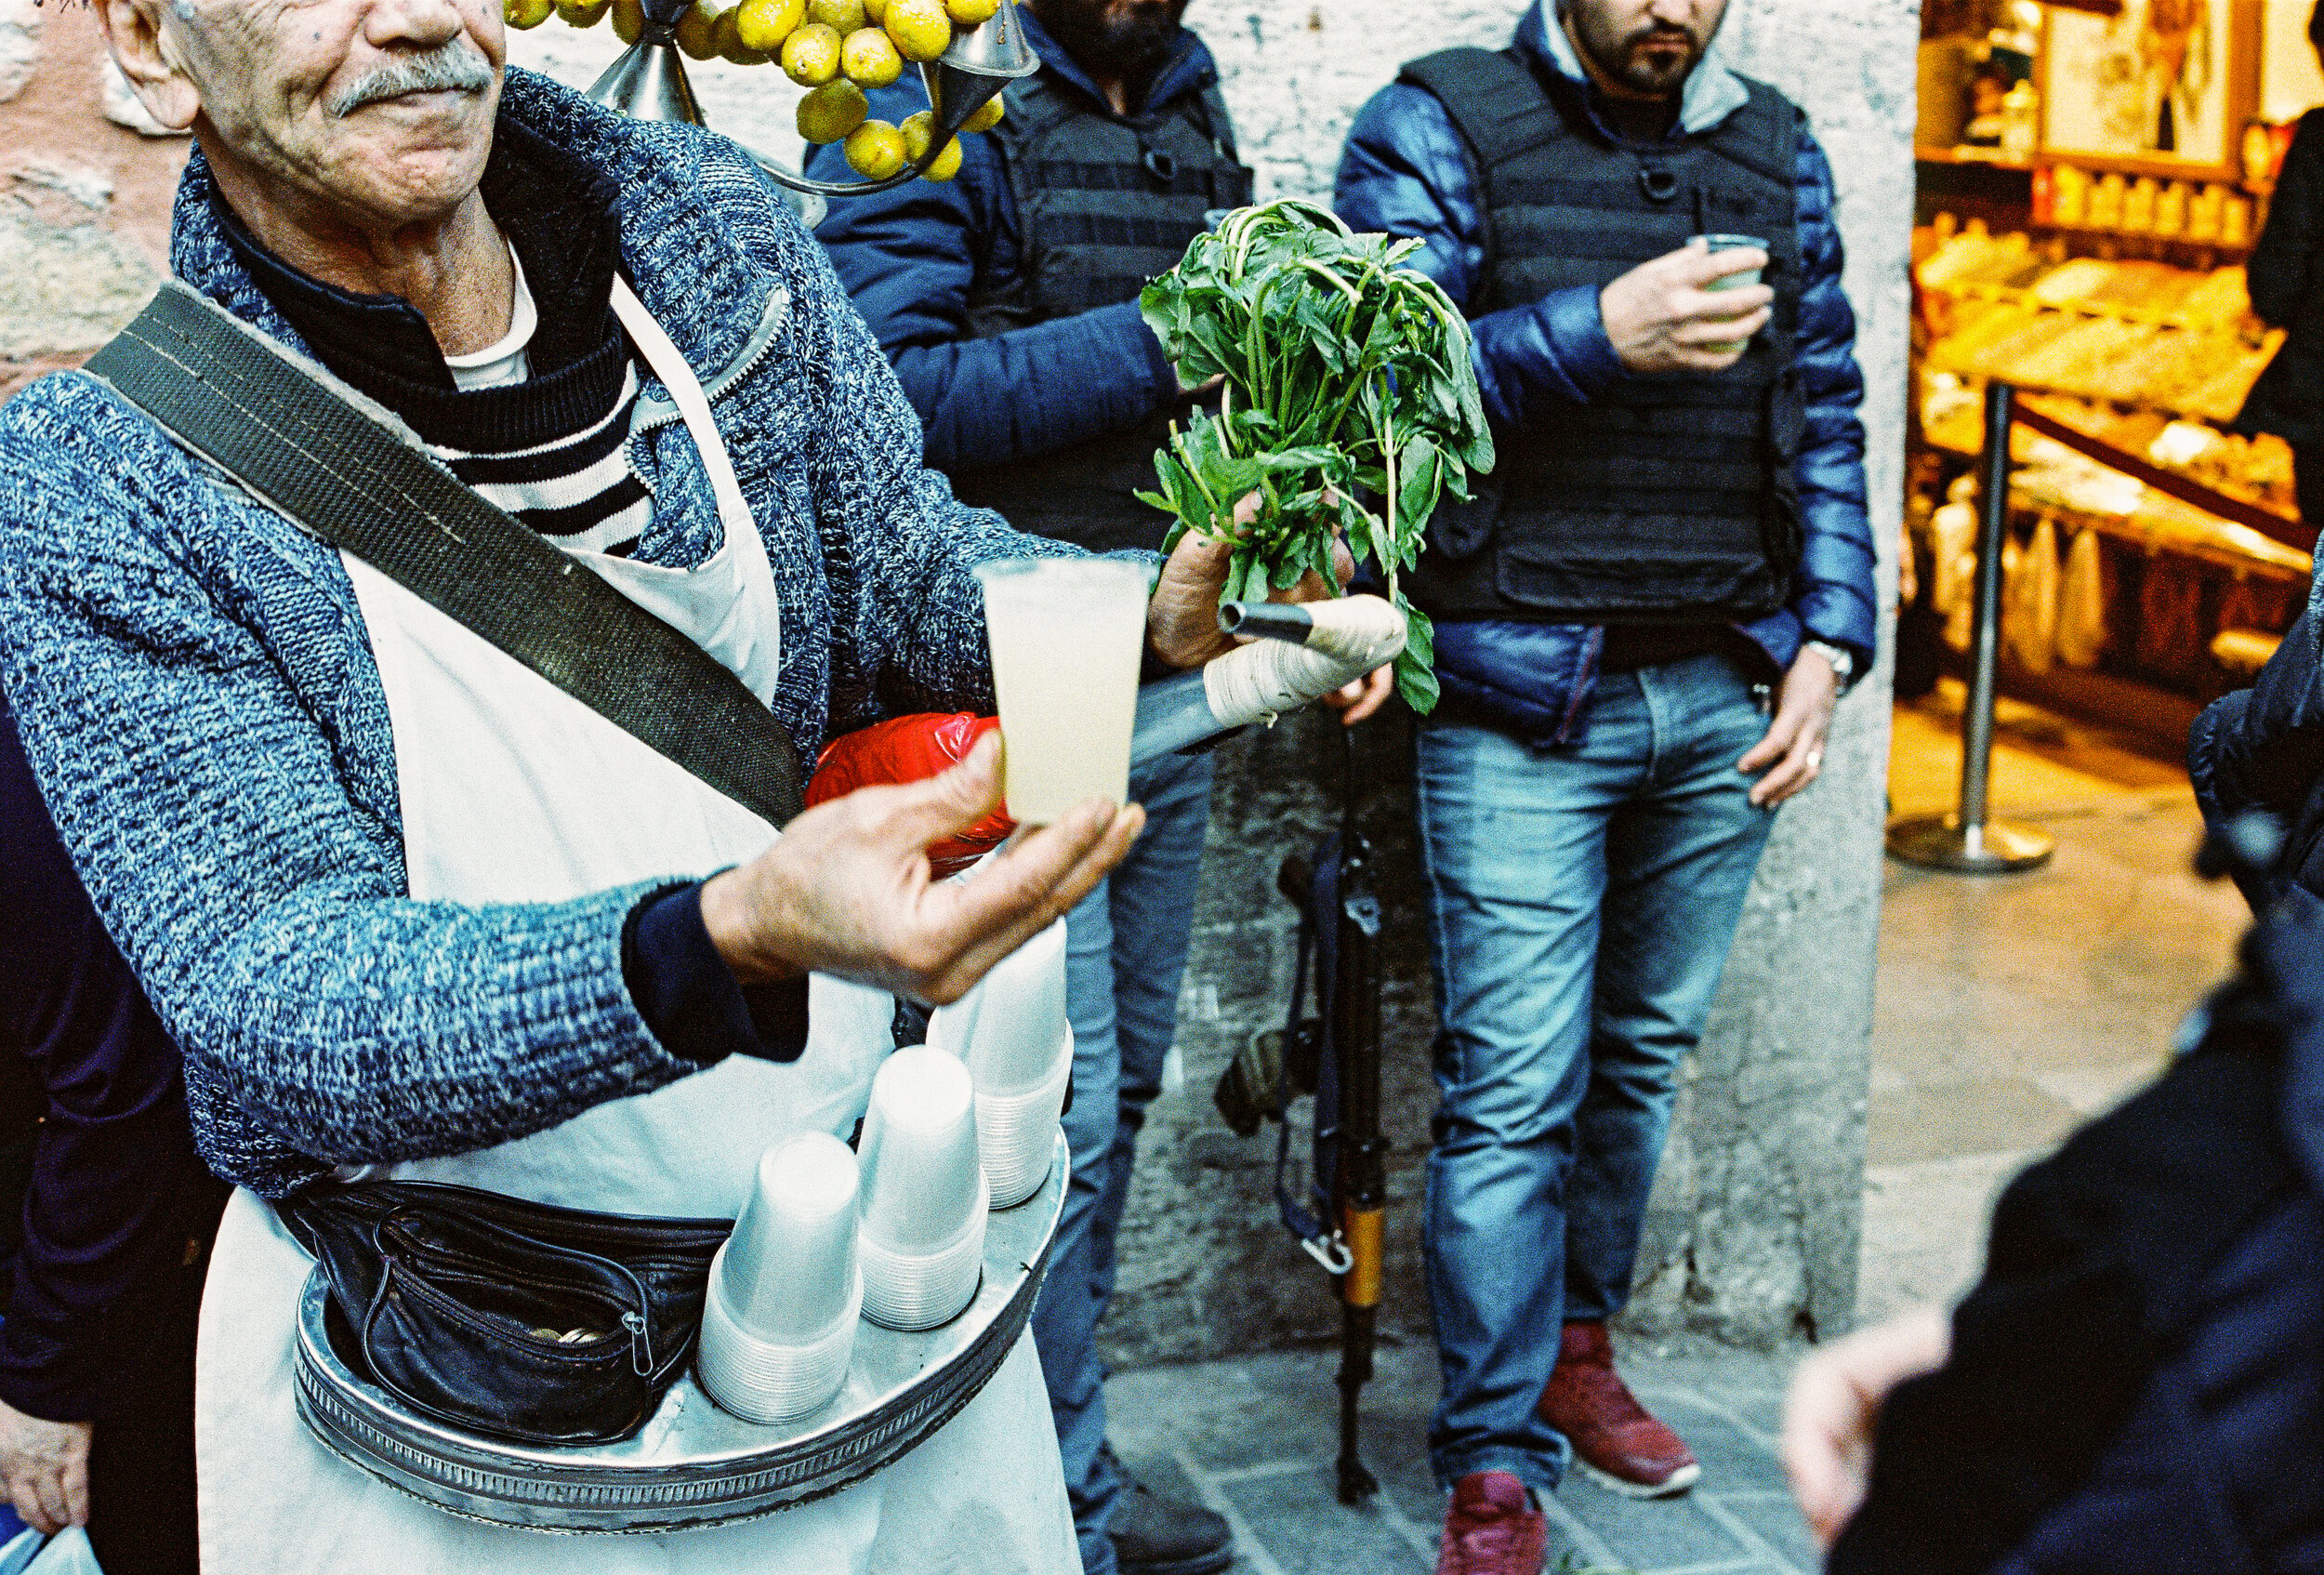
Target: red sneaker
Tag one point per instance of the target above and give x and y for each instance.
(1616, 1439)
(1491, 1527)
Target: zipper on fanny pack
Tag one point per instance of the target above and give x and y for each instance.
(454, 1261)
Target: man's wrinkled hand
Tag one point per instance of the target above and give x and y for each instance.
(1661, 316)
(1834, 1404)
(848, 890)
(45, 1466)
(1182, 619)
(1792, 752)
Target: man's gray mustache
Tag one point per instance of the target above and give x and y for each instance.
(457, 67)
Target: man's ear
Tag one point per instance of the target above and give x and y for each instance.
(152, 57)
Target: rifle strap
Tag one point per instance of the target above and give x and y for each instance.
(1317, 958)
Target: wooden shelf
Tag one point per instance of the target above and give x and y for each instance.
(2227, 509)
(1969, 156)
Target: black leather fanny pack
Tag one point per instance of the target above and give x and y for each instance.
(513, 1319)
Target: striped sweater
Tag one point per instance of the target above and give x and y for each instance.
(577, 490)
(201, 709)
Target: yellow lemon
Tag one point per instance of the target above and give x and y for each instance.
(987, 115)
(918, 132)
(730, 43)
(874, 150)
(628, 19)
(811, 56)
(967, 13)
(868, 56)
(525, 13)
(695, 29)
(582, 13)
(875, 11)
(945, 164)
(831, 111)
(919, 27)
(842, 16)
(764, 24)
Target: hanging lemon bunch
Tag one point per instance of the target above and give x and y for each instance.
(834, 48)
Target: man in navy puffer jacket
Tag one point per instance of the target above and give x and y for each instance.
(1675, 542)
(1007, 300)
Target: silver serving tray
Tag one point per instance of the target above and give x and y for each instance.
(691, 1463)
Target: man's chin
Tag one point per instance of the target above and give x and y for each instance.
(1658, 72)
(398, 179)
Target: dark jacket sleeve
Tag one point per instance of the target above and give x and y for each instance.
(1835, 601)
(910, 259)
(1406, 171)
(2285, 254)
(118, 1209)
(2263, 747)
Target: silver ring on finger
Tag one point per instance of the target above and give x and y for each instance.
(1815, 760)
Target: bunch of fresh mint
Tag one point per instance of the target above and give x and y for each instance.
(1347, 384)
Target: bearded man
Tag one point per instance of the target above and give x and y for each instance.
(1008, 301)
(1641, 631)
(411, 908)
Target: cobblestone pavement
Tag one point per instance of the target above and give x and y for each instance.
(1255, 1438)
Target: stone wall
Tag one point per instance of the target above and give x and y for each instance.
(84, 198)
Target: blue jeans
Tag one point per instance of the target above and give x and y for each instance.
(1581, 904)
(1125, 954)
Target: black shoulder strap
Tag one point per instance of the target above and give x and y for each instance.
(345, 475)
(1495, 100)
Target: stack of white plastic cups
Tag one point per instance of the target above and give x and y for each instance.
(924, 1198)
(1011, 1033)
(778, 1324)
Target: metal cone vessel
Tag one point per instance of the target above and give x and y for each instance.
(649, 83)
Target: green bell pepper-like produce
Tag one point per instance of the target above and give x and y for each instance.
(1347, 381)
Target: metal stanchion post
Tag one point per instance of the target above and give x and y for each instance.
(1965, 840)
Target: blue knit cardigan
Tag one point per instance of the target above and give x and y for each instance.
(200, 703)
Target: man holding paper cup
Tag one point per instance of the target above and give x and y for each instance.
(1008, 301)
(1642, 631)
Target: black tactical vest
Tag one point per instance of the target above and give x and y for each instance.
(1104, 204)
(1670, 498)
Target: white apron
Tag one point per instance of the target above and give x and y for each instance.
(513, 791)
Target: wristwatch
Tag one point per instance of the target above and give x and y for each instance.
(1842, 660)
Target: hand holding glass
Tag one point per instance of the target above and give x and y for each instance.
(1735, 281)
(1066, 635)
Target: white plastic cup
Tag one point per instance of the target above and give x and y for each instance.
(1066, 635)
(1016, 1132)
(1013, 1034)
(1015, 1037)
(922, 1207)
(791, 1260)
(778, 1324)
(1735, 281)
(951, 1027)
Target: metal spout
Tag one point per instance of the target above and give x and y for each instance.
(649, 81)
(980, 62)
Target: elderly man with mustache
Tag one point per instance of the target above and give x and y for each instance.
(410, 909)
